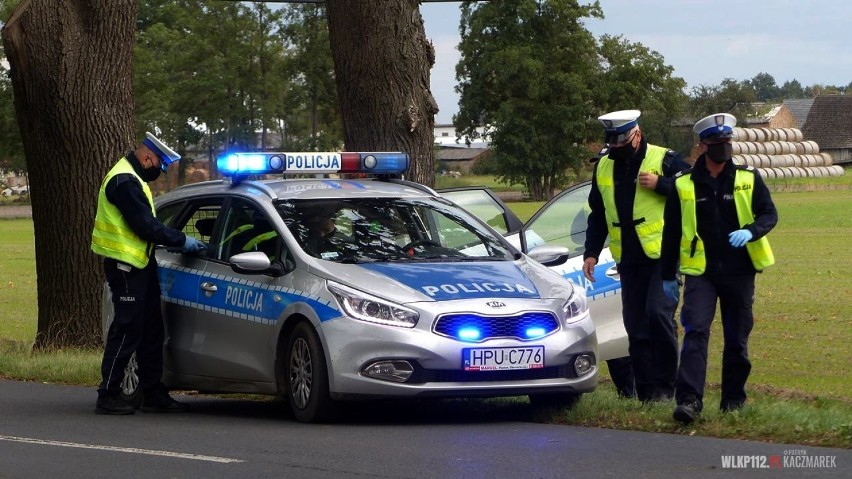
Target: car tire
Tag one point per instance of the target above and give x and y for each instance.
(306, 377)
(130, 390)
(555, 400)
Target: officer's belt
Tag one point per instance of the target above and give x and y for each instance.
(632, 223)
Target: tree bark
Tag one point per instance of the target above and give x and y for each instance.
(71, 74)
(382, 62)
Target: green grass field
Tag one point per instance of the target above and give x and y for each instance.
(800, 389)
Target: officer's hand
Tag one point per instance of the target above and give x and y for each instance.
(739, 238)
(589, 268)
(671, 290)
(192, 245)
(648, 180)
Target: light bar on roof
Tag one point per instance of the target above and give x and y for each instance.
(377, 163)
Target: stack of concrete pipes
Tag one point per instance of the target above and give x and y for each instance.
(781, 153)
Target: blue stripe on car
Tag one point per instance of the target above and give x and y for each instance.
(603, 286)
(236, 297)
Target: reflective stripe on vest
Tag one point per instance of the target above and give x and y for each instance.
(112, 237)
(647, 206)
(693, 260)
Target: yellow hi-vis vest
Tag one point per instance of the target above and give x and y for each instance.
(693, 260)
(648, 206)
(112, 237)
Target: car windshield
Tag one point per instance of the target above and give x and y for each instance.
(358, 230)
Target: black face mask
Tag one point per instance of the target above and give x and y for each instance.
(720, 152)
(622, 153)
(151, 174)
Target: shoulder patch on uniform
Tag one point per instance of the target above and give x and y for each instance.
(599, 155)
(683, 173)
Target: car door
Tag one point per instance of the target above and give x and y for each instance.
(238, 312)
(180, 281)
(560, 222)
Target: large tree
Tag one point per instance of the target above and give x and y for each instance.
(71, 73)
(525, 75)
(635, 77)
(764, 86)
(382, 61)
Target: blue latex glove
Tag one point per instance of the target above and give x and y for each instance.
(192, 245)
(672, 290)
(739, 238)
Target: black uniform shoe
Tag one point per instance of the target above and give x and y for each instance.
(731, 406)
(162, 403)
(113, 405)
(686, 412)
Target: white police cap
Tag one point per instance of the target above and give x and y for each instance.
(717, 125)
(617, 124)
(166, 154)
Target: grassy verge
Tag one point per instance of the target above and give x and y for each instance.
(799, 389)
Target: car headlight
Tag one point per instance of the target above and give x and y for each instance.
(362, 306)
(576, 307)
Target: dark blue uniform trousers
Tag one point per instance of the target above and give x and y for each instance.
(651, 332)
(736, 297)
(136, 327)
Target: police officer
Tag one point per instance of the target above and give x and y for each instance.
(627, 199)
(126, 230)
(717, 218)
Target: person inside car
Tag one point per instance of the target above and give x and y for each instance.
(324, 239)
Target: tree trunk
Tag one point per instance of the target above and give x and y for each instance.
(382, 61)
(71, 74)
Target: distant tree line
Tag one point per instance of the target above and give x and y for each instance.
(215, 75)
(536, 79)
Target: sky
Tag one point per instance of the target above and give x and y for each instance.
(706, 42)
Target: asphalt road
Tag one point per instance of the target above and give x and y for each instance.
(51, 431)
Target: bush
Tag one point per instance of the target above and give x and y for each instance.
(485, 166)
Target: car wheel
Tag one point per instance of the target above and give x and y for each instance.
(130, 390)
(555, 400)
(307, 377)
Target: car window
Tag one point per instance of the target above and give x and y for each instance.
(166, 214)
(195, 219)
(388, 229)
(562, 222)
(482, 205)
(246, 227)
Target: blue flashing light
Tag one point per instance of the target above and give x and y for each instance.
(249, 164)
(534, 332)
(384, 163)
(258, 163)
(469, 334)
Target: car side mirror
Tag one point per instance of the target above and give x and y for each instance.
(550, 255)
(255, 262)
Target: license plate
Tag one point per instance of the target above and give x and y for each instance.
(498, 359)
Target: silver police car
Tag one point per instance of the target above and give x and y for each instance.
(321, 290)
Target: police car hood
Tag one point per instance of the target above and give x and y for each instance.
(407, 282)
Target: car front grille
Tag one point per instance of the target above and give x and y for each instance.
(490, 327)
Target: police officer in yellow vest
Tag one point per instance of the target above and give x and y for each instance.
(126, 230)
(627, 199)
(717, 219)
